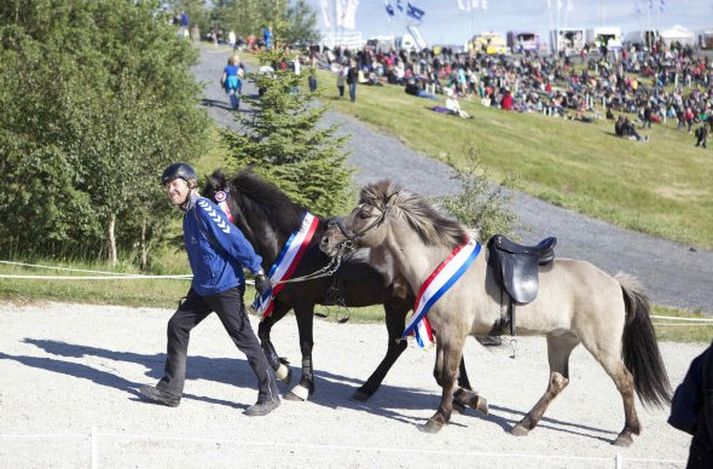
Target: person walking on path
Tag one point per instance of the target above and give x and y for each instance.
(232, 81)
(217, 252)
(352, 78)
(341, 78)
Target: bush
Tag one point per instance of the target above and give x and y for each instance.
(97, 97)
(481, 204)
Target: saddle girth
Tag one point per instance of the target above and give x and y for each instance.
(516, 269)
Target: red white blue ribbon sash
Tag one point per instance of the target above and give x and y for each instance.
(286, 263)
(436, 285)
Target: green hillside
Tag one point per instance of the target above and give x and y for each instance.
(661, 187)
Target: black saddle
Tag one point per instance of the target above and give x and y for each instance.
(516, 269)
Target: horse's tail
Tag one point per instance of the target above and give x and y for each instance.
(640, 350)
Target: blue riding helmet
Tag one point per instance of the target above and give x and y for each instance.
(176, 171)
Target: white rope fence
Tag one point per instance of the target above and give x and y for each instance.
(108, 275)
(677, 321)
(618, 461)
(105, 275)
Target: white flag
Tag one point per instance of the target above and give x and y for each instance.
(464, 6)
(475, 4)
(340, 7)
(484, 4)
(349, 20)
(570, 5)
(326, 16)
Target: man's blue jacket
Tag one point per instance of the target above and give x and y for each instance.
(217, 250)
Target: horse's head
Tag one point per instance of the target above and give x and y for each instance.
(214, 183)
(385, 207)
(265, 215)
(366, 225)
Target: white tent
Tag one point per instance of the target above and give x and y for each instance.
(678, 34)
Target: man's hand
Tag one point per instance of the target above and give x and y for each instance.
(262, 283)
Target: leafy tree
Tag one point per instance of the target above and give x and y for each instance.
(285, 145)
(97, 97)
(294, 21)
(301, 24)
(244, 16)
(481, 204)
(199, 14)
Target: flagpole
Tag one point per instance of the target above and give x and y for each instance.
(557, 33)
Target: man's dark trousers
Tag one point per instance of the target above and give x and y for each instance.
(230, 308)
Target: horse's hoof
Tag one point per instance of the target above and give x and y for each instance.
(360, 396)
(283, 373)
(519, 430)
(431, 427)
(624, 440)
(458, 407)
(482, 405)
(298, 393)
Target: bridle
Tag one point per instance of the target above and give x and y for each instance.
(351, 237)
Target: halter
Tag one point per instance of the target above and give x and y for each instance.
(349, 243)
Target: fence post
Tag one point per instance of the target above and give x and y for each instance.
(94, 447)
(618, 461)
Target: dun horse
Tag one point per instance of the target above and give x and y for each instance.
(268, 218)
(577, 303)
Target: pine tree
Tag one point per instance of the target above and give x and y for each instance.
(284, 144)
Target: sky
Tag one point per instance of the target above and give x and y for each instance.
(444, 23)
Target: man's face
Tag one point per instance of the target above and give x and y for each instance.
(177, 191)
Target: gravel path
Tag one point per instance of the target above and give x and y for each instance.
(67, 368)
(672, 273)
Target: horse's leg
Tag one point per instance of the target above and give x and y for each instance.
(609, 356)
(559, 348)
(395, 318)
(465, 396)
(305, 388)
(282, 371)
(448, 356)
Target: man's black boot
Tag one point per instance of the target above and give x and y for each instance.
(262, 408)
(155, 395)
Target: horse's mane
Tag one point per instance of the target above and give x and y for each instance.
(431, 225)
(257, 195)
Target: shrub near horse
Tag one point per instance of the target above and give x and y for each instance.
(577, 302)
(268, 218)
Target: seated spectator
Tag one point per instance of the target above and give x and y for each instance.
(453, 105)
(619, 127)
(507, 101)
(413, 88)
(628, 130)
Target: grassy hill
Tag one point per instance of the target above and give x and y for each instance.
(661, 187)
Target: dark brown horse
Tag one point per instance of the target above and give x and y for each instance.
(268, 217)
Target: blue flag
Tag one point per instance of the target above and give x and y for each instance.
(399, 6)
(389, 8)
(415, 13)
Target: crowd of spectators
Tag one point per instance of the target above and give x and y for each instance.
(650, 86)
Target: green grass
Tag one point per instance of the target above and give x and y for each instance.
(661, 187)
(683, 333)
